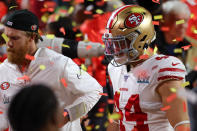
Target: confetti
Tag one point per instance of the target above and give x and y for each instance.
(49, 47)
(158, 17)
(44, 18)
(5, 37)
(83, 67)
(67, 46)
(79, 1)
(65, 114)
(42, 67)
(184, 107)
(101, 110)
(97, 127)
(165, 28)
(173, 90)
(63, 82)
(70, 10)
(156, 1)
(165, 108)
(103, 94)
(79, 35)
(99, 114)
(155, 50)
(62, 30)
(50, 36)
(12, 7)
(180, 22)
(185, 84)
(186, 47)
(1, 112)
(115, 116)
(177, 50)
(191, 16)
(88, 128)
(110, 101)
(155, 22)
(29, 57)
(25, 77)
(88, 47)
(144, 56)
(87, 12)
(171, 97)
(99, 11)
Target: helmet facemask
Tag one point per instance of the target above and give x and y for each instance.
(120, 48)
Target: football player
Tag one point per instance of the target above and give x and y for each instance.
(143, 87)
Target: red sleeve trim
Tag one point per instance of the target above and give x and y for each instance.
(171, 69)
(169, 77)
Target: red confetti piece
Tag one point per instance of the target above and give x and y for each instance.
(62, 30)
(165, 108)
(100, 3)
(88, 47)
(49, 47)
(29, 57)
(184, 107)
(25, 77)
(155, 22)
(165, 28)
(186, 47)
(64, 82)
(144, 56)
(101, 109)
(65, 114)
(87, 12)
(79, 1)
(1, 112)
(75, 29)
(103, 94)
(110, 101)
(179, 39)
(171, 97)
(156, 1)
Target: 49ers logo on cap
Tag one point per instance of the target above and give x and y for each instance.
(33, 27)
(5, 85)
(133, 20)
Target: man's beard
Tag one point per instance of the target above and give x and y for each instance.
(17, 56)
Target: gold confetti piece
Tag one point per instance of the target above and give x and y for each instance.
(99, 114)
(173, 90)
(103, 46)
(79, 35)
(88, 128)
(13, 7)
(180, 22)
(97, 127)
(44, 19)
(174, 40)
(50, 36)
(74, 23)
(91, 0)
(99, 11)
(115, 116)
(185, 84)
(192, 15)
(70, 10)
(158, 17)
(5, 37)
(178, 50)
(155, 50)
(137, 9)
(67, 46)
(195, 31)
(83, 67)
(42, 67)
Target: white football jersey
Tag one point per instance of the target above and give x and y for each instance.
(136, 98)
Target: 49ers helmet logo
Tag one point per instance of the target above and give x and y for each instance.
(33, 27)
(5, 85)
(133, 20)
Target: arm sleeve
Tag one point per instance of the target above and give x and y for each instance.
(83, 85)
(69, 50)
(3, 117)
(171, 68)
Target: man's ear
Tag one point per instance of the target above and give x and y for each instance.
(32, 38)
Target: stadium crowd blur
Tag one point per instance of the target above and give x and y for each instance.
(85, 20)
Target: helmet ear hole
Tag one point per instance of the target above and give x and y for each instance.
(145, 46)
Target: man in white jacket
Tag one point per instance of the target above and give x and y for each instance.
(26, 64)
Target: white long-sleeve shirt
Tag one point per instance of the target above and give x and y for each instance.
(78, 97)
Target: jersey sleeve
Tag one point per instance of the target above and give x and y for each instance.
(80, 83)
(170, 68)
